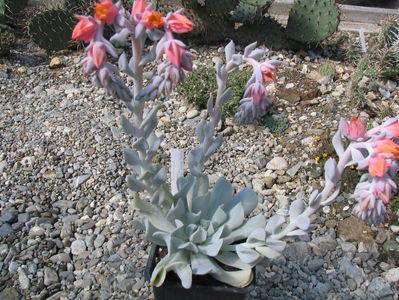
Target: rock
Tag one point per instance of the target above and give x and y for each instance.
(78, 247)
(63, 204)
(228, 131)
(323, 244)
(5, 229)
(63, 257)
(350, 270)
(257, 185)
(394, 228)
(13, 267)
(9, 217)
(9, 293)
(192, 114)
(24, 282)
(354, 229)
(315, 264)
(55, 62)
(277, 163)
(348, 247)
(297, 251)
(99, 241)
(50, 276)
(292, 171)
(77, 181)
(392, 275)
(269, 181)
(379, 289)
(261, 162)
(36, 231)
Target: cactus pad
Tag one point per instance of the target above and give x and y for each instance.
(246, 13)
(311, 21)
(52, 29)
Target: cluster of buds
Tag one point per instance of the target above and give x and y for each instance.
(142, 21)
(376, 150)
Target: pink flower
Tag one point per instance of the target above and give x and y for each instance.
(151, 19)
(106, 11)
(174, 52)
(138, 7)
(268, 72)
(257, 92)
(85, 29)
(98, 54)
(180, 23)
(393, 128)
(355, 129)
(386, 146)
(378, 165)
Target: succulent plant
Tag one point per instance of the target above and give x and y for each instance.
(311, 21)
(52, 29)
(246, 13)
(276, 124)
(327, 69)
(14, 6)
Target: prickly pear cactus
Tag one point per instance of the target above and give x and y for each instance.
(311, 21)
(52, 29)
(15, 6)
(246, 13)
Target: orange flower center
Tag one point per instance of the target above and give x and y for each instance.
(155, 19)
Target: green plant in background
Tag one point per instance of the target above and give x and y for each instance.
(276, 124)
(202, 82)
(52, 29)
(327, 69)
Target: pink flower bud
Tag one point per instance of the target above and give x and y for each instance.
(354, 129)
(138, 7)
(378, 165)
(85, 29)
(174, 52)
(180, 23)
(98, 54)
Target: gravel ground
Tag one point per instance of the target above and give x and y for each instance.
(66, 225)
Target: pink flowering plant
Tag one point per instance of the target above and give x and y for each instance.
(204, 227)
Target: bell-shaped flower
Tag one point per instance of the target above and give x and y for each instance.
(106, 11)
(386, 146)
(378, 165)
(354, 129)
(85, 29)
(257, 92)
(138, 8)
(174, 50)
(98, 54)
(151, 19)
(393, 129)
(179, 23)
(268, 72)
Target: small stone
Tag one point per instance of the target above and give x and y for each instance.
(99, 241)
(371, 96)
(257, 185)
(63, 257)
(55, 62)
(24, 282)
(292, 171)
(297, 251)
(13, 267)
(192, 114)
(350, 270)
(277, 163)
(36, 231)
(348, 247)
(379, 288)
(50, 276)
(9, 293)
(315, 264)
(394, 228)
(228, 131)
(9, 217)
(323, 244)
(78, 247)
(269, 181)
(5, 229)
(392, 275)
(77, 181)
(331, 223)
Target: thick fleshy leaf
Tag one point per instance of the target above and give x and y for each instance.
(257, 54)
(209, 105)
(200, 130)
(274, 223)
(249, 226)
(297, 232)
(237, 59)
(132, 157)
(248, 49)
(302, 222)
(246, 254)
(209, 129)
(129, 128)
(199, 236)
(231, 259)
(229, 50)
(225, 96)
(314, 199)
(177, 211)
(122, 62)
(296, 209)
(149, 57)
(215, 144)
(219, 217)
(268, 252)
(238, 279)
(337, 143)
(236, 217)
(211, 248)
(134, 184)
(183, 270)
(258, 234)
(247, 198)
(330, 169)
(201, 264)
(222, 193)
(189, 246)
(275, 244)
(357, 156)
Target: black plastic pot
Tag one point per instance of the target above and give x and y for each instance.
(203, 287)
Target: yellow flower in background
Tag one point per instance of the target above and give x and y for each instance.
(352, 167)
(325, 155)
(316, 138)
(317, 158)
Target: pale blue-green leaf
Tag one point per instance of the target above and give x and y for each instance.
(209, 129)
(122, 62)
(257, 54)
(248, 49)
(246, 254)
(199, 236)
(249, 225)
(236, 217)
(179, 232)
(189, 246)
(258, 234)
(225, 96)
(314, 201)
(247, 198)
(219, 217)
(141, 144)
(201, 264)
(150, 234)
(151, 114)
(154, 146)
(129, 128)
(158, 274)
(275, 244)
(274, 223)
(337, 143)
(211, 248)
(297, 232)
(237, 59)
(160, 177)
(132, 157)
(231, 259)
(134, 184)
(149, 57)
(209, 105)
(222, 193)
(302, 222)
(268, 252)
(229, 50)
(120, 38)
(183, 270)
(200, 130)
(211, 230)
(238, 279)
(153, 214)
(357, 156)
(297, 207)
(176, 211)
(193, 218)
(215, 144)
(330, 169)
